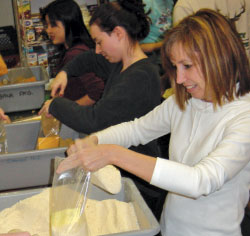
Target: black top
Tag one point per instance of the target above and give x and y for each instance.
(127, 95)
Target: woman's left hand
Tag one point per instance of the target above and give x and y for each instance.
(45, 108)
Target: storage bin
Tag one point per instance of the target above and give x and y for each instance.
(23, 96)
(23, 166)
(129, 193)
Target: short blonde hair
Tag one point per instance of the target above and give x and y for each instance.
(210, 40)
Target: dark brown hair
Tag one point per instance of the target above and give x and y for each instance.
(128, 14)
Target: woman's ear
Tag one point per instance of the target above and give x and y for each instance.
(120, 32)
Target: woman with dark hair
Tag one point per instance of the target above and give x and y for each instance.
(133, 81)
(208, 171)
(65, 27)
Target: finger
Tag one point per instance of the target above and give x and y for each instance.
(41, 111)
(54, 89)
(69, 163)
(72, 149)
(52, 94)
(61, 92)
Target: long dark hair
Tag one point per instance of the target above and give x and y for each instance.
(126, 13)
(69, 13)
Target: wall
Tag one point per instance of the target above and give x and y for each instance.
(6, 13)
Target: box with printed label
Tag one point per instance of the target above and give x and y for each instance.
(26, 95)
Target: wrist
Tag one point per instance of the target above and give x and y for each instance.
(94, 139)
(113, 154)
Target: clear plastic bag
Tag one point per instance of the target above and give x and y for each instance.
(67, 201)
(3, 139)
(49, 133)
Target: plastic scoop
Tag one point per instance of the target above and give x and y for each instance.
(108, 178)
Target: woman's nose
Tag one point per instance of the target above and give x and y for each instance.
(97, 49)
(48, 29)
(180, 77)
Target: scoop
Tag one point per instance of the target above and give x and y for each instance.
(108, 178)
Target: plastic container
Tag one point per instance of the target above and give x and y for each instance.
(23, 166)
(129, 193)
(23, 96)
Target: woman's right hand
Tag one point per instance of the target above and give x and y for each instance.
(59, 84)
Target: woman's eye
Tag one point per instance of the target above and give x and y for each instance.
(187, 66)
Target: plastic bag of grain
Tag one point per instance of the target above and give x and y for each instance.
(68, 198)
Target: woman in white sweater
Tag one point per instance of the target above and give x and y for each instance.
(208, 171)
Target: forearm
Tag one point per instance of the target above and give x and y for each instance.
(83, 119)
(68, 112)
(85, 101)
(140, 131)
(133, 162)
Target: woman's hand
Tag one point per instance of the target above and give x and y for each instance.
(45, 108)
(4, 117)
(89, 141)
(92, 156)
(87, 154)
(59, 84)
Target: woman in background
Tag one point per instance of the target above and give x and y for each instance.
(65, 26)
(160, 13)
